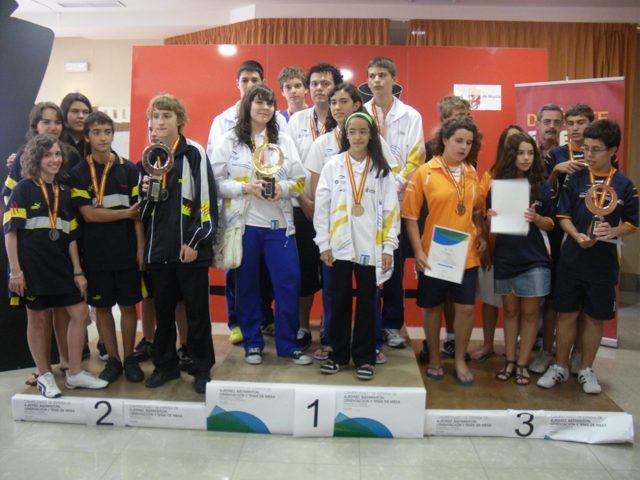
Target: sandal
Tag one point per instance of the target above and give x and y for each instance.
(521, 378)
(505, 374)
(435, 373)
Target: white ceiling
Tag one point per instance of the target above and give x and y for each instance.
(156, 19)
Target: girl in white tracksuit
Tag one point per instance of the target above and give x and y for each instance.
(356, 221)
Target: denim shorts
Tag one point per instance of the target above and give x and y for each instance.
(532, 283)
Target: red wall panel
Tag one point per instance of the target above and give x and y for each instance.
(204, 80)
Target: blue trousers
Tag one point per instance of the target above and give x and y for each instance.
(266, 290)
(326, 307)
(280, 256)
(393, 294)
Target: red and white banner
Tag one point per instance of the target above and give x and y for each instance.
(604, 95)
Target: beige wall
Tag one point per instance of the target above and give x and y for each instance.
(108, 81)
(631, 249)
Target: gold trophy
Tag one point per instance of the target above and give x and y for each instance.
(268, 159)
(158, 170)
(601, 200)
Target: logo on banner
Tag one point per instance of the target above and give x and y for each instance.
(480, 97)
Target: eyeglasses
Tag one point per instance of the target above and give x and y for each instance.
(594, 150)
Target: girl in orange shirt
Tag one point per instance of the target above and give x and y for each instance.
(448, 184)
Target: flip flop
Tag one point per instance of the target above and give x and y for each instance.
(464, 383)
(435, 376)
(483, 357)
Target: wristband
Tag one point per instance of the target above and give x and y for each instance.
(14, 276)
(79, 274)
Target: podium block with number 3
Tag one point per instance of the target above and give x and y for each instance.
(314, 412)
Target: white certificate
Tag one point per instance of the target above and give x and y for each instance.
(447, 254)
(510, 199)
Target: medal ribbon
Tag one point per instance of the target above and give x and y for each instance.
(571, 154)
(359, 191)
(99, 190)
(600, 201)
(376, 118)
(313, 120)
(173, 150)
(53, 214)
(336, 133)
(458, 186)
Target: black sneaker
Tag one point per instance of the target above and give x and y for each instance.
(112, 370)
(200, 381)
(160, 376)
(424, 353)
(132, 370)
(449, 348)
(102, 351)
(184, 359)
(304, 339)
(144, 350)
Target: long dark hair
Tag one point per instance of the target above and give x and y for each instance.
(350, 90)
(243, 127)
(502, 144)
(506, 167)
(447, 131)
(374, 147)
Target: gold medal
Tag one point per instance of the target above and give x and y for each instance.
(357, 210)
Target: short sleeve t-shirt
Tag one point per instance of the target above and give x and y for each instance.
(44, 259)
(107, 246)
(598, 263)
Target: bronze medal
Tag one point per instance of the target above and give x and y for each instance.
(460, 209)
(357, 210)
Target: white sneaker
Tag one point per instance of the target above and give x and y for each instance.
(47, 386)
(575, 363)
(587, 378)
(541, 363)
(253, 356)
(84, 379)
(394, 338)
(555, 374)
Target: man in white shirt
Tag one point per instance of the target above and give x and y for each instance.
(250, 73)
(304, 127)
(401, 127)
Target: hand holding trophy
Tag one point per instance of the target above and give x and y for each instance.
(601, 200)
(268, 159)
(162, 157)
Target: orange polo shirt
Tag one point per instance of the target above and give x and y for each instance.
(431, 183)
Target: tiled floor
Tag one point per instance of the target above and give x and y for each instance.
(51, 451)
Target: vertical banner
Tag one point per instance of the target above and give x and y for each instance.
(604, 95)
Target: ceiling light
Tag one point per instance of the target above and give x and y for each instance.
(227, 50)
(346, 74)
